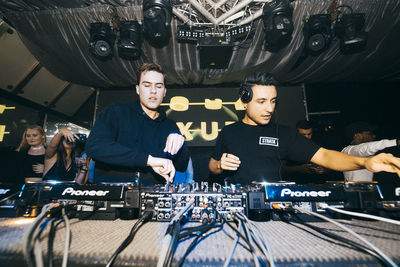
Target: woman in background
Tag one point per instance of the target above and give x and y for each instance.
(32, 149)
(60, 158)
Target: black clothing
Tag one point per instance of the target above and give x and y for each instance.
(303, 178)
(124, 136)
(261, 150)
(11, 166)
(387, 177)
(27, 164)
(59, 173)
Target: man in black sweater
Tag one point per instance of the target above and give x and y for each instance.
(136, 138)
(253, 148)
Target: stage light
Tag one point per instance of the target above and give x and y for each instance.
(239, 32)
(130, 40)
(157, 21)
(188, 34)
(317, 33)
(102, 38)
(278, 25)
(349, 29)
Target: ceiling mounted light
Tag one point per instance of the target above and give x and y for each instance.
(189, 34)
(129, 42)
(278, 24)
(102, 38)
(317, 33)
(349, 29)
(157, 21)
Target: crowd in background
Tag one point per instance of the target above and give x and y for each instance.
(64, 158)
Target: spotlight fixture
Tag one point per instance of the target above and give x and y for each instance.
(278, 25)
(186, 33)
(157, 21)
(239, 32)
(130, 40)
(317, 33)
(349, 30)
(102, 40)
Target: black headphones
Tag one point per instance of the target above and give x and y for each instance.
(262, 78)
(245, 92)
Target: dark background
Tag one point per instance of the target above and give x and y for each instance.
(376, 103)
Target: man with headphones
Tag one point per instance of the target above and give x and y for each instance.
(253, 148)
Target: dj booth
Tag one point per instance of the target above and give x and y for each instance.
(286, 216)
(294, 244)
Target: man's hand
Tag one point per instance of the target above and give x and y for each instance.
(163, 167)
(174, 143)
(303, 168)
(229, 162)
(316, 169)
(383, 162)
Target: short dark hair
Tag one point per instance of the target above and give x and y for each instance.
(260, 78)
(303, 124)
(358, 127)
(150, 67)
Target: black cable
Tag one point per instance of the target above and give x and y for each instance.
(50, 242)
(28, 244)
(172, 246)
(389, 261)
(249, 227)
(9, 197)
(146, 216)
(194, 242)
(346, 6)
(236, 231)
(344, 240)
(175, 230)
(256, 258)
(187, 231)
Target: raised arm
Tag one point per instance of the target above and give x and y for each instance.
(369, 148)
(342, 162)
(52, 147)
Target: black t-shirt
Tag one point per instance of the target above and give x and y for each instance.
(28, 162)
(261, 149)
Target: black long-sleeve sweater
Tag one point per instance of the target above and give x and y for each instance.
(124, 136)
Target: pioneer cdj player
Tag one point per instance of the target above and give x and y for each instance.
(276, 200)
(259, 201)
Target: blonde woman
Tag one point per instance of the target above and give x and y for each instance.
(32, 149)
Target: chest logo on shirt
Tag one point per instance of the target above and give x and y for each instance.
(268, 141)
(397, 191)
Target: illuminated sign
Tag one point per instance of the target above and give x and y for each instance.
(181, 103)
(3, 132)
(201, 114)
(4, 107)
(3, 127)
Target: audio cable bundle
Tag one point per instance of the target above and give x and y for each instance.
(368, 247)
(31, 242)
(145, 218)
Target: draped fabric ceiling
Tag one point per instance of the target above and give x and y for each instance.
(57, 34)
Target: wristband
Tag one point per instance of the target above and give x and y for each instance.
(219, 165)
